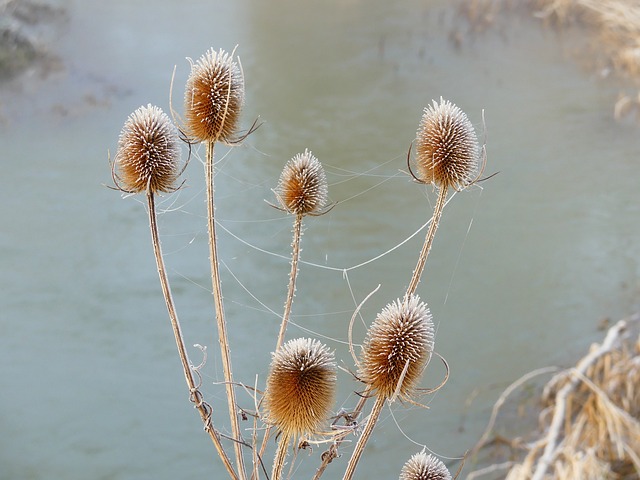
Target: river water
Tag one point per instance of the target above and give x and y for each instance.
(521, 272)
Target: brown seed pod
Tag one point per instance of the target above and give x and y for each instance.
(213, 98)
(302, 188)
(447, 150)
(424, 467)
(300, 386)
(397, 348)
(148, 152)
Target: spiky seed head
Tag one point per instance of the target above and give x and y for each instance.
(302, 188)
(447, 150)
(397, 348)
(148, 152)
(424, 467)
(213, 98)
(300, 386)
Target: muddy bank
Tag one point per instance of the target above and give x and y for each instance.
(28, 30)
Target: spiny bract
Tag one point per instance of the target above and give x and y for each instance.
(300, 386)
(148, 152)
(302, 188)
(424, 467)
(397, 348)
(213, 98)
(447, 150)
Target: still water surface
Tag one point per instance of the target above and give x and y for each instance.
(520, 273)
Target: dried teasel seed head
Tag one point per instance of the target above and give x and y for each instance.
(447, 150)
(424, 467)
(302, 188)
(213, 98)
(148, 152)
(300, 386)
(397, 348)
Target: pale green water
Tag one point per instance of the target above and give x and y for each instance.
(519, 275)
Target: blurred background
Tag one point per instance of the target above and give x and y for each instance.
(525, 268)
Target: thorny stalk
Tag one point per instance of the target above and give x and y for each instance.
(295, 256)
(281, 455)
(329, 455)
(196, 396)
(364, 438)
(219, 310)
(428, 241)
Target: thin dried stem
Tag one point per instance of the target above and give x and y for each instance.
(332, 453)
(281, 455)
(196, 396)
(364, 438)
(426, 247)
(265, 439)
(219, 308)
(295, 256)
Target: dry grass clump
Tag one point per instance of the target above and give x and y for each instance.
(590, 418)
(613, 28)
(610, 41)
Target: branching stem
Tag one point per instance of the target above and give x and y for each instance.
(364, 438)
(196, 396)
(426, 247)
(220, 318)
(281, 455)
(295, 256)
(332, 453)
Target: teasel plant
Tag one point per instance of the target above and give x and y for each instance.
(448, 155)
(423, 466)
(213, 100)
(301, 381)
(300, 393)
(397, 349)
(148, 160)
(302, 190)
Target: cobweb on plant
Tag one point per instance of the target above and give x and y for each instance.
(188, 202)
